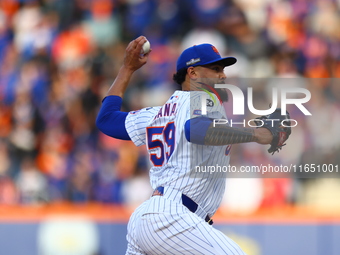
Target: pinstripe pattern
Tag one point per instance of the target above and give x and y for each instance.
(162, 225)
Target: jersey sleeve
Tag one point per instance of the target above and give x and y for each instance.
(136, 123)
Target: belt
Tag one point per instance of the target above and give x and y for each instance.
(187, 202)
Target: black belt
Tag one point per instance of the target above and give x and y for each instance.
(187, 202)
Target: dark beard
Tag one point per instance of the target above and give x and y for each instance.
(223, 94)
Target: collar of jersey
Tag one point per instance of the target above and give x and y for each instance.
(207, 88)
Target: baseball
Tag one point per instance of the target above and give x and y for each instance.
(145, 48)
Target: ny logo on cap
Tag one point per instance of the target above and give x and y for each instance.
(215, 50)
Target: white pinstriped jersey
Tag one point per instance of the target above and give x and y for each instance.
(176, 162)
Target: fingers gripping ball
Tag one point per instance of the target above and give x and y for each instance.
(279, 126)
(145, 48)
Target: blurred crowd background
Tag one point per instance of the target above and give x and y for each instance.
(59, 57)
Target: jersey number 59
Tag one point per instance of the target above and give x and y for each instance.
(162, 141)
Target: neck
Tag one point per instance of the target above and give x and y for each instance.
(191, 86)
(186, 86)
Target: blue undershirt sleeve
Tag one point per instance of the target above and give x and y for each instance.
(196, 129)
(110, 120)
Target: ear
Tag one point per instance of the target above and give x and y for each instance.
(192, 73)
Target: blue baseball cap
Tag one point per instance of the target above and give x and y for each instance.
(202, 54)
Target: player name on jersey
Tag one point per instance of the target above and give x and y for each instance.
(166, 110)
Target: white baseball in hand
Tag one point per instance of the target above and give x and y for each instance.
(145, 48)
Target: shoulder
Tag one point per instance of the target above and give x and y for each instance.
(146, 111)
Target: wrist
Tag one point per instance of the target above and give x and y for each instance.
(263, 136)
(126, 71)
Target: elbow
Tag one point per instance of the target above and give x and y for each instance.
(110, 120)
(113, 124)
(101, 122)
(187, 130)
(98, 121)
(104, 126)
(196, 129)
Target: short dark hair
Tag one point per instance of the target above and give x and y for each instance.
(179, 77)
